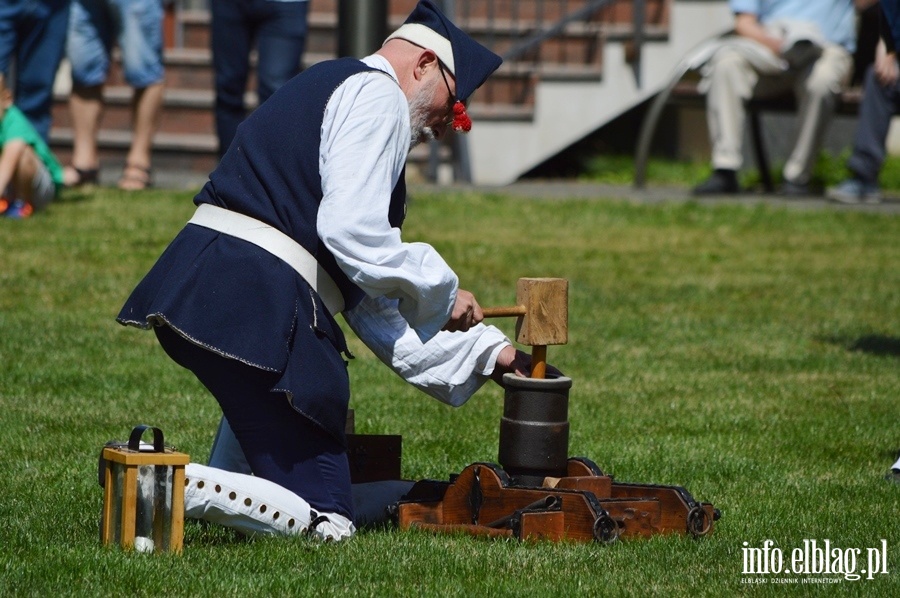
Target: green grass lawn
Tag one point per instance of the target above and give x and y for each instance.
(748, 353)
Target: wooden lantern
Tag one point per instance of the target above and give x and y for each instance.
(143, 498)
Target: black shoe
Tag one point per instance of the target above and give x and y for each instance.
(791, 189)
(720, 182)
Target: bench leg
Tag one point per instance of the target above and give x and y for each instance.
(759, 151)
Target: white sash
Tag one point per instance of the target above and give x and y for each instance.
(275, 242)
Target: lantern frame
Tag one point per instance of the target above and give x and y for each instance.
(119, 516)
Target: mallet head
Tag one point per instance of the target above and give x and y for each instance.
(546, 319)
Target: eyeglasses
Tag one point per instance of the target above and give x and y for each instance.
(452, 97)
(447, 83)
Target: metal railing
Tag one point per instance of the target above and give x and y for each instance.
(536, 29)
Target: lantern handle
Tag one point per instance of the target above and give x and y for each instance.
(134, 443)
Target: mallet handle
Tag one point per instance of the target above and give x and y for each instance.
(538, 352)
(539, 361)
(502, 312)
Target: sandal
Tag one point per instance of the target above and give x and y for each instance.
(78, 177)
(135, 178)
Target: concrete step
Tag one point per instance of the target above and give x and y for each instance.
(177, 151)
(567, 111)
(191, 69)
(321, 31)
(579, 43)
(188, 108)
(474, 16)
(521, 10)
(184, 110)
(196, 153)
(576, 55)
(186, 136)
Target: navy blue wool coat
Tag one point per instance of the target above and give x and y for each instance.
(238, 300)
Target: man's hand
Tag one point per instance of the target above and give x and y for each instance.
(886, 69)
(748, 25)
(512, 361)
(466, 312)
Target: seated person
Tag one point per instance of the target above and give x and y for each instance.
(781, 46)
(29, 173)
(881, 96)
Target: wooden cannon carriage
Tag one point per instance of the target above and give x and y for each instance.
(585, 505)
(538, 491)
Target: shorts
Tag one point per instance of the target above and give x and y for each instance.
(43, 188)
(96, 25)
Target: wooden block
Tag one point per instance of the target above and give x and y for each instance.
(599, 486)
(543, 525)
(350, 426)
(422, 512)
(373, 457)
(546, 320)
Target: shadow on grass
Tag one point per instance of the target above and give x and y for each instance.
(877, 345)
(78, 194)
(205, 533)
(874, 344)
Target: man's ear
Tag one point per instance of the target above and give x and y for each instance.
(427, 59)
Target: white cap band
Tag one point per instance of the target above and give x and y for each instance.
(428, 38)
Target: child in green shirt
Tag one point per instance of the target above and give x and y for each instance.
(30, 174)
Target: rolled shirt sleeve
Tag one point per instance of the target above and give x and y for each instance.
(450, 367)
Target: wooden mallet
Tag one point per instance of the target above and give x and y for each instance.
(542, 309)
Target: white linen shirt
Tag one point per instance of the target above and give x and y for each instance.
(410, 290)
(364, 146)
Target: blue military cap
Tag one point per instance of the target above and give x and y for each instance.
(469, 62)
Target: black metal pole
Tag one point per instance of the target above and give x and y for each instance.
(362, 26)
(638, 8)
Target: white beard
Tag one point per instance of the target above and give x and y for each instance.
(418, 115)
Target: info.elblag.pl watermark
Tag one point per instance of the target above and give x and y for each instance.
(813, 562)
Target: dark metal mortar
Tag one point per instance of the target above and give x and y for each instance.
(534, 429)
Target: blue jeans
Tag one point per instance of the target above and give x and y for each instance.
(278, 28)
(135, 25)
(34, 33)
(878, 107)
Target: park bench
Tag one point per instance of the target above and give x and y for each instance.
(683, 90)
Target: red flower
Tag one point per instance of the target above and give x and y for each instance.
(461, 121)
